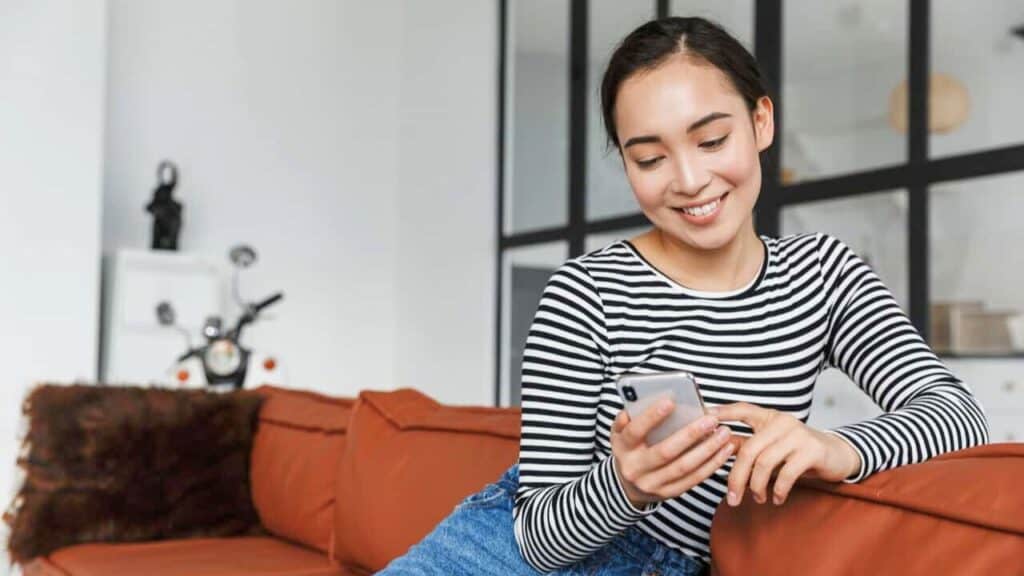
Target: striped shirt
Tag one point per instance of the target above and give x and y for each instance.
(813, 305)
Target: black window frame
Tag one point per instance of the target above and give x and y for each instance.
(916, 175)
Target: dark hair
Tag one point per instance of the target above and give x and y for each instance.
(651, 44)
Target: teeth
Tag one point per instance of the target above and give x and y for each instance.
(702, 210)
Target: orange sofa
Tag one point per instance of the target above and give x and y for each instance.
(342, 486)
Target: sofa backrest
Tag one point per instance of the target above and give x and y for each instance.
(298, 443)
(408, 461)
(958, 513)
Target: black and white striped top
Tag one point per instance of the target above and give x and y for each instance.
(814, 304)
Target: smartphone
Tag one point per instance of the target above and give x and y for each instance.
(639, 391)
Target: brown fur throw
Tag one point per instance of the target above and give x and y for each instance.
(122, 464)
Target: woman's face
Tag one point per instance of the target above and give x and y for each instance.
(688, 140)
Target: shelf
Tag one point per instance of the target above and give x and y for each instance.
(1001, 356)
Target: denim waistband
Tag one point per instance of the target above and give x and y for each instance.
(633, 540)
(510, 479)
(642, 546)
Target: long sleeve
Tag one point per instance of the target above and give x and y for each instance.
(927, 409)
(568, 503)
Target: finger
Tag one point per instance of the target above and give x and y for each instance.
(701, 474)
(794, 468)
(767, 461)
(680, 441)
(737, 441)
(620, 422)
(748, 453)
(685, 463)
(635, 433)
(750, 414)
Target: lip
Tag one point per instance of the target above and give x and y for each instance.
(707, 218)
(703, 202)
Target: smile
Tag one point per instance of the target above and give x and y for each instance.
(704, 213)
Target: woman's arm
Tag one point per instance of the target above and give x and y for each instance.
(567, 505)
(928, 410)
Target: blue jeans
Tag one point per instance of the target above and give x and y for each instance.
(477, 538)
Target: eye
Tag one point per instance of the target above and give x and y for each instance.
(649, 162)
(713, 144)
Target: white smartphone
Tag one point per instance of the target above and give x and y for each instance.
(639, 391)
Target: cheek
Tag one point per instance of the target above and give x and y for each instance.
(739, 165)
(648, 187)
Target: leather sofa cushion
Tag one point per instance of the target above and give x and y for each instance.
(248, 556)
(408, 462)
(298, 444)
(958, 513)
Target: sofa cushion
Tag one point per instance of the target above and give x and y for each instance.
(958, 513)
(246, 556)
(112, 463)
(298, 445)
(408, 462)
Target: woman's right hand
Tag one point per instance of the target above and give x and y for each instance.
(674, 465)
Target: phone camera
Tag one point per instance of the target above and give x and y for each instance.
(629, 393)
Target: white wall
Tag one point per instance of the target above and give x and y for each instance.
(446, 198)
(352, 143)
(51, 107)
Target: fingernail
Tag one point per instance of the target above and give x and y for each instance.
(665, 407)
(733, 498)
(722, 432)
(776, 500)
(709, 423)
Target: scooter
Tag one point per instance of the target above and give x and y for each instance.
(222, 363)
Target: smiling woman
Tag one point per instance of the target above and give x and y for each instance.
(690, 124)
(754, 318)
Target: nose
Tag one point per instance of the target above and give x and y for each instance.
(689, 175)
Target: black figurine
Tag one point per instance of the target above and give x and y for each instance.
(165, 209)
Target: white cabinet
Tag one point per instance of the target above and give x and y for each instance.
(998, 384)
(838, 401)
(136, 348)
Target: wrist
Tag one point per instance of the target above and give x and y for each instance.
(635, 498)
(849, 458)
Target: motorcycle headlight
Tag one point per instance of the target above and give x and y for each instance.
(223, 357)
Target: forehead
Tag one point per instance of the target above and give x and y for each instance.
(678, 92)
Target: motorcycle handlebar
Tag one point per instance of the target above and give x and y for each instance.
(273, 299)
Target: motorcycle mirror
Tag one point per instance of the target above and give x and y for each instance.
(242, 256)
(212, 327)
(165, 313)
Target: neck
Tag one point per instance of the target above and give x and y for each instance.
(722, 269)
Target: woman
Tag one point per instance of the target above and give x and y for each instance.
(755, 318)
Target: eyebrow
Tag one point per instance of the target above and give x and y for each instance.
(696, 125)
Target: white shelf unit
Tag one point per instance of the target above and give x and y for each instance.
(998, 384)
(136, 349)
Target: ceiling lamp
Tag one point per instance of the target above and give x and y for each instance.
(948, 104)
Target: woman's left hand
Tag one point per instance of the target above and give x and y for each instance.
(781, 439)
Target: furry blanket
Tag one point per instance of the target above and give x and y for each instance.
(121, 464)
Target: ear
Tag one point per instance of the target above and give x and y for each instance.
(763, 117)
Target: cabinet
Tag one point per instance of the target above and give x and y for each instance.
(136, 348)
(998, 384)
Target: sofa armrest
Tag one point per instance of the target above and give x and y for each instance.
(958, 513)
